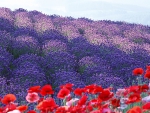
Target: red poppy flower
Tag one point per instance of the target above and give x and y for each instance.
(46, 90)
(105, 95)
(22, 108)
(90, 88)
(31, 111)
(82, 100)
(61, 109)
(134, 98)
(147, 75)
(9, 107)
(135, 109)
(115, 102)
(138, 71)
(68, 86)
(34, 89)
(147, 68)
(134, 89)
(47, 105)
(8, 98)
(143, 88)
(146, 106)
(79, 91)
(98, 89)
(63, 93)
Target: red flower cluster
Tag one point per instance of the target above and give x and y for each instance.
(140, 71)
(103, 100)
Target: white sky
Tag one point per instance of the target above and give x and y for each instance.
(133, 11)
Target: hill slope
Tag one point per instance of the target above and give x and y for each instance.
(49, 49)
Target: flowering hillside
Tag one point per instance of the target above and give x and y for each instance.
(39, 49)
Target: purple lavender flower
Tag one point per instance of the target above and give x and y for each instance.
(6, 19)
(52, 34)
(42, 23)
(54, 46)
(5, 60)
(55, 61)
(22, 19)
(5, 39)
(89, 66)
(25, 44)
(33, 58)
(81, 48)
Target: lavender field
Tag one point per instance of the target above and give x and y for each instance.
(39, 49)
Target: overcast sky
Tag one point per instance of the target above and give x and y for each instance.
(133, 11)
